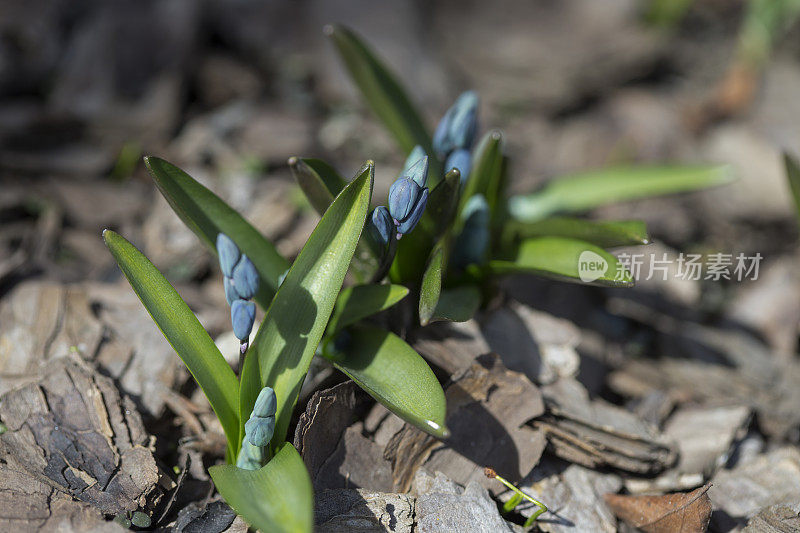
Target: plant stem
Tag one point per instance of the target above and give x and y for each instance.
(518, 496)
(242, 351)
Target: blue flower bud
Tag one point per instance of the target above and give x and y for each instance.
(228, 254)
(462, 160)
(251, 457)
(259, 431)
(381, 225)
(458, 126)
(245, 278)
(403, 196)
(230, 291)
(405, 226)
(473, 241)
(418, 171)
(266, 403)
(243, 314)
(464, 122)
(416, 154)
(442, 144)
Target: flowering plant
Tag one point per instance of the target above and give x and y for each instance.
(445, 233)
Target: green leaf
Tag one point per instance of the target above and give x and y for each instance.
(487, 171)
(361, 301)
(293, 325)
(382, 92)
(605, 234)
(442, 205)
(207, 215)
(318, 180)
(458, 304)
(276, 498)
(560, 258)
(431, 287)
(591, 189)
(393, 373)
(321, 183)
(183, 331)
(793, 175)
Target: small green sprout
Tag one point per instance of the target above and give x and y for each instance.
(517, 498)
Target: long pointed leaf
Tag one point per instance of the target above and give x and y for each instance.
(591, 189)
(384, 95)
(361, 301)
(487, 171)
(183, 331)
(321, 183)
(207, 215)
(431, 286)
(603, 233)
(565, 259)
(318, 180)
(393, 373)
(442, 208)
(296, 319)
(276, 498)
(458, 304)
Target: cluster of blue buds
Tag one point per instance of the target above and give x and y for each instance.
(241, 283)
(261, 425)
(455, 134)
(258, 431)
(407, 199)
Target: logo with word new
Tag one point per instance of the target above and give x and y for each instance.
(591, 266)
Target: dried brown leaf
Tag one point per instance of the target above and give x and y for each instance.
(680, 512)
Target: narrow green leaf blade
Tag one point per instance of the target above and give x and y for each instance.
(384, 95)
(361, 301)
(605, 234)
(296, 319)
(207, 215)
(183, 331)
(321, 183)
(276, 498)
(458, 304)
(793, 175)
(431, 287)
(442, 205)
(565, 259)
(487, 170)
(585, 191)
(318, 180)
(442, 208)
(393, 373)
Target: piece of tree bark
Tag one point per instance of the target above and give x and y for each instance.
(595, 433)
(72, 433)
(356, 510)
